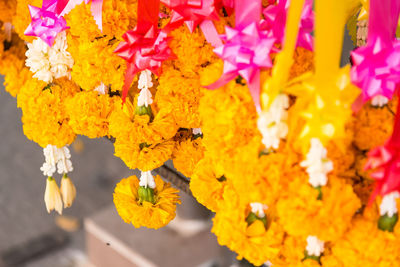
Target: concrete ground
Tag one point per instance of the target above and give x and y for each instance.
(27, 232)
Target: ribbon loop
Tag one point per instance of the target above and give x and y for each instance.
(376, 66)
(46, 22)
(194, 13)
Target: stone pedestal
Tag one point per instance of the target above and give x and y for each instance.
(111, 242)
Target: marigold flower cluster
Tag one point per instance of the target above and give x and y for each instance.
(285, 177)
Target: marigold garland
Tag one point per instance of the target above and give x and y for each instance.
(287, 178)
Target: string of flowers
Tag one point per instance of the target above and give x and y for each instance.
(296, 155)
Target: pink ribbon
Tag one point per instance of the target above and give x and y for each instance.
(194, 13)
(376, 66)
(97, 9)
(46, 23)
(275, 19)
(385, 163)
(247, 48)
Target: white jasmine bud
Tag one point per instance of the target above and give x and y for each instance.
(68, 191)
(52, 196)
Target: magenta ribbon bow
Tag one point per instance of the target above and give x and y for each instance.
(247, 48)
(385, 163)
(275, 19)
(376, 66)
(194, 13)
(143, 52)
(46, 22)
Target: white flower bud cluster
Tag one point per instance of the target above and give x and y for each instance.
(197, 131)
(47, 62)
(258, 209)
(147, 180)
(56, 158)
(388, 205)
(102, 89)
(317, 164)
(144, 84)
(272, 123)
(379, 101)
(315, 247)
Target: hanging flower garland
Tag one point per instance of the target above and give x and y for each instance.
(294, 175)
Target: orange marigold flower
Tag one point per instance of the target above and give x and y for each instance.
(44, 118)
(144, 213)
(328, 218)
(255, 241)
(373, 125)
(208, 183)
(89, 113)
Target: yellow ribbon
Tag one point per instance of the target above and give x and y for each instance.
(280, 73)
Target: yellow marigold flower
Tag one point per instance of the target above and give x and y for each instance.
(373, 125)
(132, 210)
(365, 245)
(187, 154)
(343, 154)
(208, 183)
(191, 49)
(211, 73)
(229, 120)
(44, 118)
(89, 112)
(118, 17)
(292, 254)
(232, 230)
(95, 62)
(303, 62)
(138, 128)
(181, 95)
(327, 218)
(15, 73)
(7, 9)
(143, 156)
(22, 18)
(12, 63)
(256, 174)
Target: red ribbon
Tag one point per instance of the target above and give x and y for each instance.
(194, 13)
(247, 48)
(385, 161)
(147, 15)
(145, 47)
